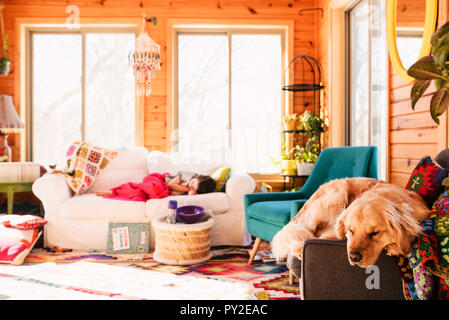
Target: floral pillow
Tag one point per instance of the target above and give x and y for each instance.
(15, 244)
(427, 180)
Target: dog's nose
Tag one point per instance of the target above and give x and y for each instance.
(355, 256)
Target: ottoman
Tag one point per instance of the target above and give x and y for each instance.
(180, 243)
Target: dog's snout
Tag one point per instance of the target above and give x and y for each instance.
(355, 256)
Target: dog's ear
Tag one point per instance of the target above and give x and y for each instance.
(402, 226)
(340, 227)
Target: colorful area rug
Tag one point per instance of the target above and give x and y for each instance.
(268, 281)
(93, 281)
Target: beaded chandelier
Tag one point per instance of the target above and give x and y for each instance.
(145, 59)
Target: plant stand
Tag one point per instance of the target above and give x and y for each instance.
(306, 91)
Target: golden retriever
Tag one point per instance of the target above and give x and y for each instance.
(372, 215)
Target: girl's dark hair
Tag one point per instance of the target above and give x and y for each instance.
(206, 184)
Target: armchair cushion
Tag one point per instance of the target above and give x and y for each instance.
(296, 206)
(273, 212)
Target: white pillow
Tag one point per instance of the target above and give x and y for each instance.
(129, 165)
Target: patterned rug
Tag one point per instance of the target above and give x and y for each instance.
(268, 281)
(97, 281)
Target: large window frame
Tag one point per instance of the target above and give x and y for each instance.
(82, 31)
(349, 104)
(229, 28)
(22, 93)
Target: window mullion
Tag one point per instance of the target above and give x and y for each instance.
(83, 85)
(230, 89)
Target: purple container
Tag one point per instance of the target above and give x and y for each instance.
(172, 204)
(190, 214)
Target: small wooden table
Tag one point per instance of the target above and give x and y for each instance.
(10, 188)
(181, 243)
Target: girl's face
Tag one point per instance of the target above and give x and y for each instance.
(193, 184)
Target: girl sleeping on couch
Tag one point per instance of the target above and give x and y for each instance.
(157, 186)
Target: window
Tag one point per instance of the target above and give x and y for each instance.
(228, 103)
(81, 89)
(366, 77)
(409, 44)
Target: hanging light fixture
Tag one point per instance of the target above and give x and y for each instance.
(145, 59)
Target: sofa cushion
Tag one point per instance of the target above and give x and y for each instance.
(15, 244)
(217, 202)
(427, 180)
(272, 212)
(90, 206)
(129, 165)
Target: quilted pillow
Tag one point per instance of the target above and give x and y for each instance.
(221, 176)
(427, 180)
(15, 244)
(23, 222)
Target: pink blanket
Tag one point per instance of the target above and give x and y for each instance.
(153, 186)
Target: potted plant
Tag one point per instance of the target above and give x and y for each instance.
(306, 156)
(289, 122)
(310, 122)
(4, 60)
(433, 68)
(286, 162)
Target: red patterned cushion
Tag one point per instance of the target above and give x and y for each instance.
(16, 244)
(24, 222)
(427, 180)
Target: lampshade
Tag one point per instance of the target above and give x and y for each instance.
(9, 119)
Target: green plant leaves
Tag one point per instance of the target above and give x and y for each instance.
(425, 69)
(440, 35)
(441, 54)
(439, 104)
(418, 89)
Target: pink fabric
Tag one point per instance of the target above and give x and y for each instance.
(9, 250)
(23, 222)
(153, 186)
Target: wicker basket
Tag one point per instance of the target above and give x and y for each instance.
(182, 244)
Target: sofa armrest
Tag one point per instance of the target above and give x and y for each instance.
(52, 190)
(237, 186)
(327, 274)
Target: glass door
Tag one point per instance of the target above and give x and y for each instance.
(366, 77)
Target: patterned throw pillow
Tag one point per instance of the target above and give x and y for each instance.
(15, 244)
(427, 180)
(221, 176)
(22, 222)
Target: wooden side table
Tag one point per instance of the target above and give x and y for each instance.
(10, 188)
(180, 243)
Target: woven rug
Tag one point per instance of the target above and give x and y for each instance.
(268, 281)
(94, 281)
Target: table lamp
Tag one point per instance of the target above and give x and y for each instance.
(9, 122)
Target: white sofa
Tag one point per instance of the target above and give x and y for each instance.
(81, 222)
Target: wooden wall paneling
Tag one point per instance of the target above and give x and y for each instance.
(303, 40)
(413, 134)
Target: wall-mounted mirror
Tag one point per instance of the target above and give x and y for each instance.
(410, 25)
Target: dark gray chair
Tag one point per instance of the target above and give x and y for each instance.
(324, 273)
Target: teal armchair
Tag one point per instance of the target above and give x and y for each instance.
(267, 213)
